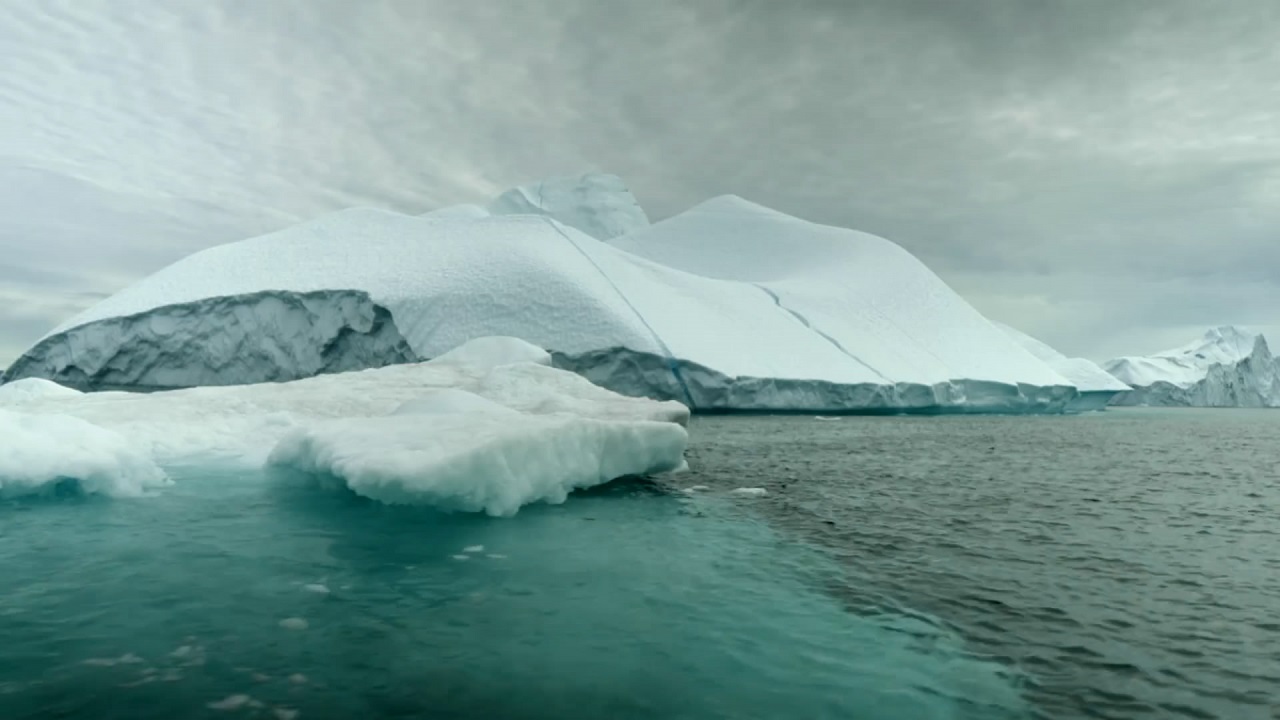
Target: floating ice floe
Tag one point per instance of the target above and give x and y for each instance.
(48, 453)
(488, 427)
(231, 702)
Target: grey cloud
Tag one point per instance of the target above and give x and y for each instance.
(1103, 175)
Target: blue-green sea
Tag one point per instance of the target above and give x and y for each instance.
(1118, 565)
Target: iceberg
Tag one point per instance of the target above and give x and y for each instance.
(1097, 386)
(489, 426)
(729, 306)
(1227, 367)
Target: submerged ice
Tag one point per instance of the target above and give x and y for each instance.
(487, 427)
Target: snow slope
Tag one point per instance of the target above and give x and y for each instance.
(1227, 367)
(488, 427)
(758, 311)
(1097, 387)
(873, 303)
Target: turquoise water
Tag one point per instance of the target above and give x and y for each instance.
(246, 595)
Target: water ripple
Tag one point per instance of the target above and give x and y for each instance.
(1125, 561)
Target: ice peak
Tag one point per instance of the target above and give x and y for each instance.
(598, 204)
(1222, 344)
(734, 204)
(1232, 333)
(1260, 348)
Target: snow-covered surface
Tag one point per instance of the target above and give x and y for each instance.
(494, 351)
(414, 432)
(1227, 367)
(33, 389)
(1186, 365)
(1086, 375)
(732, 306)
(465, 211)
(40, 453)
(478, 459)
(597, 204)
(885, 317)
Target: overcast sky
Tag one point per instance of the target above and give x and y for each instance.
(1104, 174)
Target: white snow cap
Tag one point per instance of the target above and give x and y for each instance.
(597, 204)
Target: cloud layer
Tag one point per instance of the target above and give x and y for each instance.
(1103, 175)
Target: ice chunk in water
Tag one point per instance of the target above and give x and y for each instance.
(468, 461)
(51, 453)
(231, 702)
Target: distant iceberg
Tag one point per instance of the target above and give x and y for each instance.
(596, 204)
(1097, 386)
(487, 427)
(728, 306)
(1227, 367)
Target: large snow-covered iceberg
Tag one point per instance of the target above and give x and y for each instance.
(729, 306)
(486, 427)
(1097, 386)
(1227, 367)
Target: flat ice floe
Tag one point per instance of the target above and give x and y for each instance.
(479, 460)
(468, 431)
(728, 306)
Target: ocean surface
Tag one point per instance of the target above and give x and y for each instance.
(1118, 565)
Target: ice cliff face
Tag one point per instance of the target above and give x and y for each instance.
(260, 337)
(1228, 367)
(729, 306)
